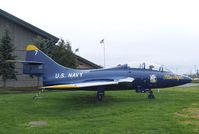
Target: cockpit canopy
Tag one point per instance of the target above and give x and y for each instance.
(149, 66)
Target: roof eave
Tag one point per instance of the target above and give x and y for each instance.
(28, 26)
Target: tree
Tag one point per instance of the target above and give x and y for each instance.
(61, 53)
(46, 45)
(7, 69)
(64, 55)
(197, 73)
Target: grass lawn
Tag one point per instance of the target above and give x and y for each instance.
(174, 111)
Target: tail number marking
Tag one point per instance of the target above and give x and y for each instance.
(36, 52)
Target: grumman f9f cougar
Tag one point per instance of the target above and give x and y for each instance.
(122, 77)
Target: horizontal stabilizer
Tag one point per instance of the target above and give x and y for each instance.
(28, 62)
(30, 67)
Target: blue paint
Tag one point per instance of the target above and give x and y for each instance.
(54, 74)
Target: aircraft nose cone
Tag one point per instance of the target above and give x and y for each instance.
(186, 80)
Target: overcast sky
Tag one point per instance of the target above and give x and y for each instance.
(165, 32)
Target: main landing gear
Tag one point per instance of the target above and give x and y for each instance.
(151, 95)
(144, 90)
(100, 95)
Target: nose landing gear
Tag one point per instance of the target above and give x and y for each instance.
(144, 90)
(151, 95)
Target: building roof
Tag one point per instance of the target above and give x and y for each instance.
(42, 33)
(28, 26)
(88, 62)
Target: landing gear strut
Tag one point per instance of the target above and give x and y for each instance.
(100, 95)
(151, 95)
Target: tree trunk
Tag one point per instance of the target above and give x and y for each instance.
(4, 83)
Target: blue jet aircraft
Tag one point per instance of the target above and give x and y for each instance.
(123, 77)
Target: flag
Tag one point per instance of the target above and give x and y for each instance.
(77, 50)
(102, 41)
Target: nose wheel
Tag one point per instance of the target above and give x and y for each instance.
(151, 95)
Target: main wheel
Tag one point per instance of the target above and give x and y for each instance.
(151, 95)
(99, 97)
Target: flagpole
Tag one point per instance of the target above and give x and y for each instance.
(102, 42)
(104, 55)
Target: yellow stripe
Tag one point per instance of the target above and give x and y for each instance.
(62, 86)
(31, 47)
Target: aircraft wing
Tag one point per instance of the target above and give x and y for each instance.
(90, 84)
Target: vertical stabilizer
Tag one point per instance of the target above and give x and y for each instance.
(38, 63)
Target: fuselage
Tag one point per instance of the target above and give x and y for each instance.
(143, 78)
(122, 77)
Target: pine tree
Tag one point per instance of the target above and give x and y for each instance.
(7, 69)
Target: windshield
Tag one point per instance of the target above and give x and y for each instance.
(149, 66)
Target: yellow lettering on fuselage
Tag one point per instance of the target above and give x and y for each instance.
(173, 77)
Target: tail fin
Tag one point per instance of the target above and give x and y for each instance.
(40, 64)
